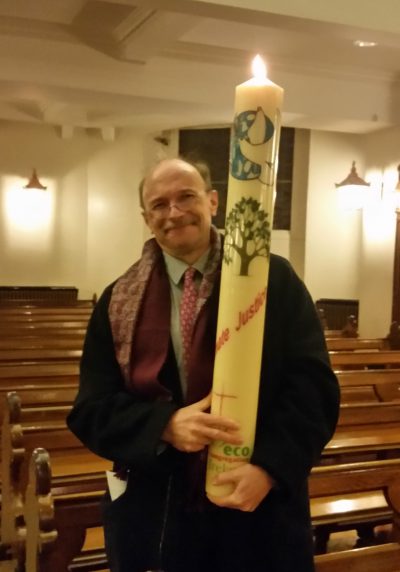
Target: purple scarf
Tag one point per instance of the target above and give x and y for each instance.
(139, 313)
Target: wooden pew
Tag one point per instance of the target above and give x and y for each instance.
(41, 403)
(364, 359)
(369, 385)
(43, 328)
(335, 510)
(49, 328)
(351, 344)
(384, 558)
(72, 507)
(74, 341)
(358, 394)
(39, 373)
(375, 414)
(365, 432)
(76, 471)
(41, 392)
(39, 355)
(77, 515)
(341, 483)
(37, 534)
(393, 336)
(349, 339)
(53, 388)
(35, 311)
(349, 442)
(330, 484)
(350, 329)
(37, 296)
(40, 395)
(365, 428)
(42, 384)
(87, 508)
(25, 425)
(21, 319)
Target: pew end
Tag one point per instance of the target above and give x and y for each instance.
(39, 534)
(337, 485)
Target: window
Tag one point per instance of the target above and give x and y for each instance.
(212, 146)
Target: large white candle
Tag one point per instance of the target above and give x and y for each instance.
(241, 314)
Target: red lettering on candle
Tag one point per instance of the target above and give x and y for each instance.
(222, 339)
(225, 458)
(249, 313)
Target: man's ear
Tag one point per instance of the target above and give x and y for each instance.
(214, 201)
(145, 216)
(146, 220)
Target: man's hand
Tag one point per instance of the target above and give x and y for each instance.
(190, 429)
(251, 485)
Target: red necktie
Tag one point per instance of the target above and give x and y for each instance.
(187, 312)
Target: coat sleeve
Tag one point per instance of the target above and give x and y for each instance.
(110, 420)
(299, 393)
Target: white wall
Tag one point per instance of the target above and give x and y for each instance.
(115, 225)
(36, 255)
(376, 276)
(333, 236)
(349, 254)
(95, 229)
(299, 201)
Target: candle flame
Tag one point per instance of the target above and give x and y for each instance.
(259, 68)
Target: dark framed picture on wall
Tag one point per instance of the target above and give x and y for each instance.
(211, 146)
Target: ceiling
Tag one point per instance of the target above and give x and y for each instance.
(157, 65)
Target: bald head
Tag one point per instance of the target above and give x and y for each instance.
(167, 167)
(178, 205)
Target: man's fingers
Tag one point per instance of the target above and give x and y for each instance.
(226, 478)
(203, 404)
(216, 434)
(191, 428)
(225, 501)
(216, 428)
(222, 423)
(210, 434)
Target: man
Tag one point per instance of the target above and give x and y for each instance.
(144, 405)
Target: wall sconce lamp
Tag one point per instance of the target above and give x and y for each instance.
(352, 189)
(34, 182)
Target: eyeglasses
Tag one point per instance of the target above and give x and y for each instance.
(185, 202)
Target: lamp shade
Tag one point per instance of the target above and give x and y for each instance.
(352, 190)
(34, 182)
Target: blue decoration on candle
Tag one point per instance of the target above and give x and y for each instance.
(243, 167)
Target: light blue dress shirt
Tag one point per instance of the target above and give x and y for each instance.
(175, 270)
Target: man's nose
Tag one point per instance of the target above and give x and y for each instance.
(174, 210)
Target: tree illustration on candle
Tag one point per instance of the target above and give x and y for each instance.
(247, 232)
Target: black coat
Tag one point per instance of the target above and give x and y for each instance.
(148, 527)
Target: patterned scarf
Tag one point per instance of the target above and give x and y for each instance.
(129, 296)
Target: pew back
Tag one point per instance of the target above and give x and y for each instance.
(359, 344)
(364, 359)
(370, 384)
(340, 480)
(39, 355)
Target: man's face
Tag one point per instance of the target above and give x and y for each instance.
(178, 210)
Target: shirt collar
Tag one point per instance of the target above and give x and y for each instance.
(176, 268)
